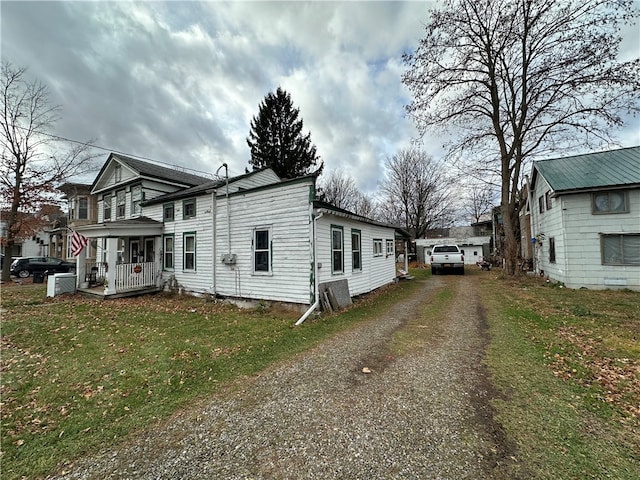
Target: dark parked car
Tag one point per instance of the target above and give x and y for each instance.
(25, 266)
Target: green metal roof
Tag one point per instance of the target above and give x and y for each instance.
(611, 168)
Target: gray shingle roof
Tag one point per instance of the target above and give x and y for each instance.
(611, 168)
(156, 171)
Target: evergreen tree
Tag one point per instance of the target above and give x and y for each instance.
(276, 138)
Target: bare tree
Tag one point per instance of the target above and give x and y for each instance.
(514, 79)
(340, 190)
(33, 160)
(479, 199)
(416, 193)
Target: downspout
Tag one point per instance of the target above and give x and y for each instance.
(214, 242)
(226, 174)
(315, 273)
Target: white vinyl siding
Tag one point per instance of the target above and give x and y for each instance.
(577, 234)
(375, 271)
(287, 210)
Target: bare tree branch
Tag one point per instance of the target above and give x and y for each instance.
(511, 80)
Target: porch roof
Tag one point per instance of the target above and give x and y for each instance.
(141, 226)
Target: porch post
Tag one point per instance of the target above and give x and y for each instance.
(112, 259)
(157, 260)
(81, 266)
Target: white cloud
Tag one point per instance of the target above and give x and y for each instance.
(180, 81)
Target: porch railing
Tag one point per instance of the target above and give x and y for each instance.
(95, 272)
(131, 276)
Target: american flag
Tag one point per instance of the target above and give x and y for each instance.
(78, 242)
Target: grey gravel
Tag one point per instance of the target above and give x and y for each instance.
(421, 416)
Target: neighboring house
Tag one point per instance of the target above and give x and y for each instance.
(247, 237)
(585, 219)
(82, 209)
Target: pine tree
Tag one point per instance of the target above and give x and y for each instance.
(276, 138)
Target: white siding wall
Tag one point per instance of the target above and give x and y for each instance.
(201, 279)
(286, 212)
(376, 271)
(577, 233)
(151, 190)
(583, 231)
(549, 223)
(257, 179)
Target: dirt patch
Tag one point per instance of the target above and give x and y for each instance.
(503, 455)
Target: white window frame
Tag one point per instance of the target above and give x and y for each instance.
(121, 203)
(185, 252)
(377, 247)
(171, 252)
(390, 247)
(107, 201)
(262, 250)
(136, 199)
(337, 249)
(356, 250)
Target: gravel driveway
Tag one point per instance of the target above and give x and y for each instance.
(422, 416)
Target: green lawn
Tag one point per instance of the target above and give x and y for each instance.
(566, 364)
(78, 373)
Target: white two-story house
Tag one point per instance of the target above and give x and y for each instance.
(585, 219)
(252, 236)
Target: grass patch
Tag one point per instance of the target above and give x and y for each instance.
(79, 374)
(567, 365)
(421, 329)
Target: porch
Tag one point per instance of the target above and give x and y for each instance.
(128, 279)
(131, 264)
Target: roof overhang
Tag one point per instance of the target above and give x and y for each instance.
(123, 228)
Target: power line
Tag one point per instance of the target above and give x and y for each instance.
(98, 147)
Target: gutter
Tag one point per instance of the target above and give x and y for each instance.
(315, 274)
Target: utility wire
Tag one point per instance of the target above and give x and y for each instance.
(98, 147)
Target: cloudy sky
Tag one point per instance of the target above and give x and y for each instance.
(179, 82)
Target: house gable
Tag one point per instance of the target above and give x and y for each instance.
(120, 170)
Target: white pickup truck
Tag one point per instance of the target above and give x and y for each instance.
(447, 257)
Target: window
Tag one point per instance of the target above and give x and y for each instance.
(261, 250)
(118, 173)
(547, 200)
(168, 212)
(377, 247)
(168, 252)
(106, 208)
(541, 204)
(552, 250)
(620, 249)
(136, 198)
(83, 208)
(356, 250)
(189, 248)
(390, 248)
(609, 202)
(121, 200)
(337, 253)
(189, 208)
